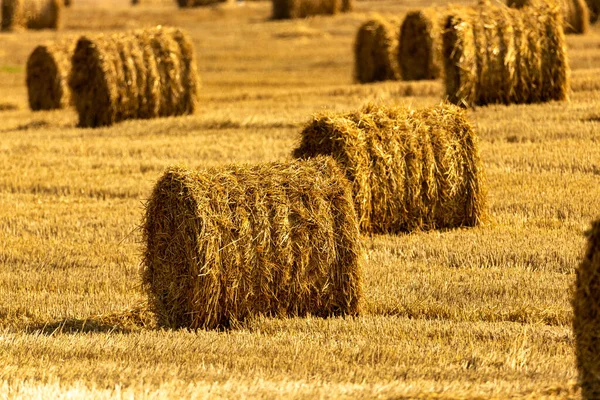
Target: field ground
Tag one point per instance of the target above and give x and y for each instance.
(473, 313)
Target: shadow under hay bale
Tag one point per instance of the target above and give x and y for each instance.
(141, 74)
(503, 55)
(575, 13)
(376, 51)
(420, 46)
(48, 69)
(277, 239)
(31, 14)
(410, 169)
(291, 9)
(586, 316)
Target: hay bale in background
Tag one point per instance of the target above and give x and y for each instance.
(48, 69)
(277, 239)
(575, 13)
(594, 9)
(376, 50)
(410, 169)
(503, 55)
(31, 14)
(291, 9)
(420, 46)
(586, 316)
(67, 3)
(195, 3)
(141, 74)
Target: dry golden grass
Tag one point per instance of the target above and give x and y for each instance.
(473, 313)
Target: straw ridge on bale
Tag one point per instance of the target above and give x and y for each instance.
(290, 9)
(410, 169)
(503, 55)
(277, 239)
(31, 14)
(586, 316)
(376, 50)
(141, 74)
(575, 13)
(420, 45)
(48, 69)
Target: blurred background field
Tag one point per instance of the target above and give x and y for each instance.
(465, 313)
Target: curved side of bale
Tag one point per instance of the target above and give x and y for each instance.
(12, 15)
(502, 55)
(575, 13)
(143, 74)
(375, 51)
(277, 239)
(420, 46)
(43, 14)
(48, 69)
(410, 169)
(586, 316)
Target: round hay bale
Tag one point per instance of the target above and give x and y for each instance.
(586, 316)
(48, 69)
(502, 55)
(376, 51)
(594, 9)
(67, 3)
(291, 9)
(31, 14)
(420, 46)
(410, 169)
(141, 74)
(575, 13)
(277, 239)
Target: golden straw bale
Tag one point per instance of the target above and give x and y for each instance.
(141, 74)
(502, 55)
(67, 3)
(290, 9)
(410, 169)
(31, 14)
(48, 69)
(420, 45)
(575, 13)
(277, 239)
(376, 50)
(594, 9)
(586, 316)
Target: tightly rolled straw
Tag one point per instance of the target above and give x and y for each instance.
(376, 50)
(502, 55)
(586, 316)
(48, 69)
(31, 14)
(420, 45)
(278, 239)
(290, 9)
(141, 74)
(410, 169)
(575, 13)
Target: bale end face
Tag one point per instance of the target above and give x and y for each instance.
(376, 51)
(419, 49)
(48, 68)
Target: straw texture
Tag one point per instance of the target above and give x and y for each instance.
(31, 14)
(277, 239)
(376, 50)
(141, 74)
(291, 9)
(586, 316)
(575, 13)
(410, 169)
(502, 55)
(420, 45)
(48, 69)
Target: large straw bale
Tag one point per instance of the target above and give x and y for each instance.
(277, 239)
(31, 14)
(502, 55)
(420, 45)
(410, 169)
(48, 69)
(376, 50)
(141, 74)
(586, 316)
(575, 13)
(291, 9)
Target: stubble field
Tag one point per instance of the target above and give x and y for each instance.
(465, 313)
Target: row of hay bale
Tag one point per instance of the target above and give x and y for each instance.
(283, 239)
(485, 54)
(109, 78)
